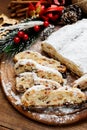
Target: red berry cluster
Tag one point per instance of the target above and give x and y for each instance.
(37, 28)
(50, 14)
(21, 35)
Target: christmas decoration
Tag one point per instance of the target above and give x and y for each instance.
(18, 8)
(37, 28)
(71, 14)
(46, 32)
(16, 40)
(25, 37)
(4, 20)
(46, 23)
(50, 13)
(21, 36)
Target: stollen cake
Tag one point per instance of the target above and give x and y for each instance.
(28, 79)
(39, 95)
(40, 59)
(69, 46)
(28, 65)
(81, 82)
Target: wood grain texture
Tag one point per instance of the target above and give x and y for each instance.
(4, 128)
(11, 119)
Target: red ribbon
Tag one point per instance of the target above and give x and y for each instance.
(54, 6)
(59, 2)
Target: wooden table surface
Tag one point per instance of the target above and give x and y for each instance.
(11, 119)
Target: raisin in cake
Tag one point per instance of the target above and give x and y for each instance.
(69, 46)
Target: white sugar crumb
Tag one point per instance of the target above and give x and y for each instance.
(37, 88)
(16, 97)
(57, 119)
(7, 88)
(66, 110)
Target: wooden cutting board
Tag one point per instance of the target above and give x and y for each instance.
(11, 119)
(8, 85)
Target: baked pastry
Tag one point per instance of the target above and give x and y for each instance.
(28, 79)
(81, 82)
(40, 59)
(26, 65)
(24, 81)
(69, 46)
(39, 95)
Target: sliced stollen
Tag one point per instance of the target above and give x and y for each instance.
(39, 95)
(28, 65)
(81, 82)
(28, 79)
(24, 81)
(69, 46)
(43, 60)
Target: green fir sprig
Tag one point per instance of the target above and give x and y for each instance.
(7, 44)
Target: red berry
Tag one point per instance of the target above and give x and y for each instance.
(50, 15)
(16, 40)
(21, 34)
(46, 23)
(37, 28)
(25, 37)
(55, 17)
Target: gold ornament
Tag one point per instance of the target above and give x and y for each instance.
(5, 21)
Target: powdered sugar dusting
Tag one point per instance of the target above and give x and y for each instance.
(38, 66)
(16, 97)
(36, 88)
(8, 90)
(57, 119)
(7, 87)
(71, 42)
(66, 110)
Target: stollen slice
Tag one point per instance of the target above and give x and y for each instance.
(28, 79)
(81, 82)
(40, 59)
(28, 65)
(40, 95)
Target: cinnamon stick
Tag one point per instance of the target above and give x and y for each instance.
(22, 10)
(26, 2)
(21, 14)
(18, 8)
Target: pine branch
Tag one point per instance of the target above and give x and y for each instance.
(7, 43)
